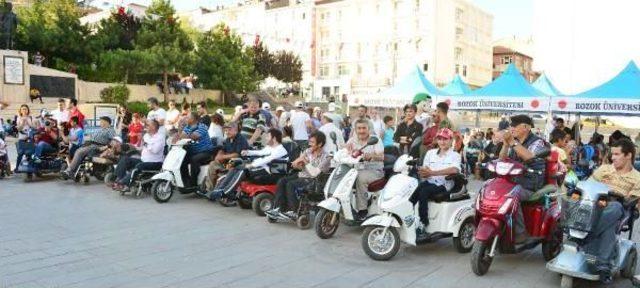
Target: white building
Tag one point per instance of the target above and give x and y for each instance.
(94, 18)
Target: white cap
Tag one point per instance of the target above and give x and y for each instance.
(117, 138)
(299, 104)
(332, 107)
(220, 111)
(266, 106)
(280, 108)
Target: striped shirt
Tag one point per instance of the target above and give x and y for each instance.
(252, 122)
(203, 144)
(103, 135)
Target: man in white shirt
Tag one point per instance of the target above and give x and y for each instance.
(438, 163)
(327, 128)
(151, 157)
(61, 114)
(378, 125)
(157, 113)
(299, 119)
(337, 119)
(173, 116)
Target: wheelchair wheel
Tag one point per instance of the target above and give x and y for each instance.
(304, 222)
(109, 178)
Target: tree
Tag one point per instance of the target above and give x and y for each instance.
(263, 61)
(119, 31)
(53, 28)
(122, 64)
(223, 63)
(288, 67)
(162, 38)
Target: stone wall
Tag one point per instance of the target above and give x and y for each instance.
(90, 92)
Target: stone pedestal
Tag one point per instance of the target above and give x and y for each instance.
(14, 76)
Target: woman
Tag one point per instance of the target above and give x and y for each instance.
(215, 129)
(313, 161)
(26, 126)
(184, 116)
(173, 116)
(123, 121)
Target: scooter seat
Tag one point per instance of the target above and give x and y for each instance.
(377, 185)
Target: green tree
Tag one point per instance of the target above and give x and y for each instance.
(53, 28)
(222, 62)
(121, 65)
(162, 38)
(263, 61)
(287, 67)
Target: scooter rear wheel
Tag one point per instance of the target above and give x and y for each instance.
(326, 223)
(464, 241)
(480, 259)
(378, 246)
(304, 222)
(629, 269)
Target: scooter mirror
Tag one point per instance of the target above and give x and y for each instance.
(372, 141)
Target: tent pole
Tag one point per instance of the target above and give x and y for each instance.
(597, 123)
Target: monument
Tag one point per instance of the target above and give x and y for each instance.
(8, 24)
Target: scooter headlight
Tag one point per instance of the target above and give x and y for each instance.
(505, 206)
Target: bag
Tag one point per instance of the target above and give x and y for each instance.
(312, 170)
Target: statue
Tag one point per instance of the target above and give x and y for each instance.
(8, 24)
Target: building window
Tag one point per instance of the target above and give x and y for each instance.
(464, 70)
(507, 60)
(417, 4)
(458, 32)
(459, 13)
(457, 68)
(458, 53)
(359, 69)
(343, 70)
(359, 50)
(326, 91)
(375, 68)
(304, 15)
(324, 71)
(425, 67)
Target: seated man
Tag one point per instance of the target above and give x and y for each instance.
(198, 153)
(622, 179)
(286, 200)
(100, 138)
(47, 139)
(232, 146)
(371, 169)
(521, 145)
(258, 169)
(437, 164)
(150, 159)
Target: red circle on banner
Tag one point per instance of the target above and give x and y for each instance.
(448, 101)
(535, 103)
(562, 104)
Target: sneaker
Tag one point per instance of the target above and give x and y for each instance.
(362, 214)
(216, 194)
(291, 215)
(124, 189)
(273, 212)
(64, 175)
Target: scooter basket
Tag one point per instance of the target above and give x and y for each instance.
(579, 215)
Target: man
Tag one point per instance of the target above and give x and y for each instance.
(362, 115)
(281, 117)
(38, 59)
(201, 108)
(371, 169)
(61, 114)
(504, 123)
(408, 130)
(157, 113)
(521, 145)
(378, 125)
(299, 123)
(623, 180)
(437, 164)
(75, 112)
(231, 148)
(150, 159)
(198, 153)
(560, 126)
(173, 117)
(327, 129)
(47, 139)
(337, 119)
(99, 140)
(269, 117)
(253, 123)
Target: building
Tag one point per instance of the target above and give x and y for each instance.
(514, 50)
(363, 46)
(94, 18)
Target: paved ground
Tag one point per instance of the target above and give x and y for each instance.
(61, 234)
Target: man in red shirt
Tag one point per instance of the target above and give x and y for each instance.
(47, 139)
(73, 111)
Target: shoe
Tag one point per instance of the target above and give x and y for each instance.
(291, 215)
(273, 212)
(362, 214)
(216, 194)
(421, 233)
(64, 175)
(124, 189)
(606, 278)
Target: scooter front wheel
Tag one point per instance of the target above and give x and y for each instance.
(480, 258)
(380, 243)
(162, 191)
(327, 223)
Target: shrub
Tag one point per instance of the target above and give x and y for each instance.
(115, 94)
(138, 107)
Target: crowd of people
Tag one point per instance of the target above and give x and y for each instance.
(308, 137)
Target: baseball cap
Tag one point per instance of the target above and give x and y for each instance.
(117, 138)
(299, 104)
(521, 119)
(445, 133)
(220, 112)
(266, 106)
(280, 108)
(331, 107)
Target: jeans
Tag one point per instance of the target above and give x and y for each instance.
(286, 197)
(425, 192)
(125, 164)
(195, 161)
(43, 148)
(23, 148)
(79, 156)
(141, 166)
(600, 239)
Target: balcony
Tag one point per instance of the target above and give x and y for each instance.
(275, 4)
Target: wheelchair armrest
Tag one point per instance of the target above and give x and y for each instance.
(458, 178)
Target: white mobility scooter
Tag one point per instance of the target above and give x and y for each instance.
(170, 178)
(451, 216)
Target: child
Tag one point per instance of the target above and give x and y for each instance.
(76, 136)
(135, 131)
(559, 145)
(389, 130)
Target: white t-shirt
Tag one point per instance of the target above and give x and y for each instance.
(330, 146)
(172, 115)
(378, 127)
(215, 131)
(158, 115)
(153, 148)
(437, 162)
(299, 125)
(60, 116)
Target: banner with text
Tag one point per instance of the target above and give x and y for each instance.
(496, 103)
(595, 105)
